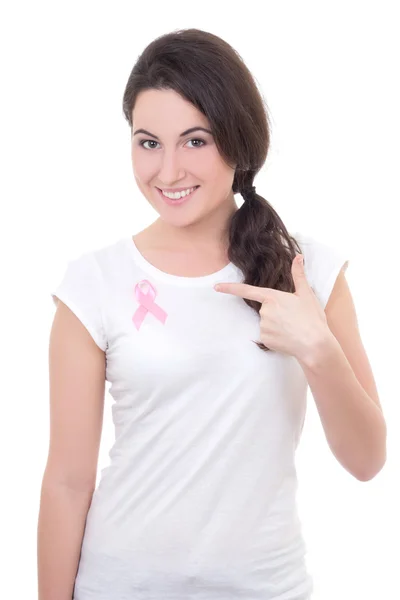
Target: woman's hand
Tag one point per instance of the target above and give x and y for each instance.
(292, 323)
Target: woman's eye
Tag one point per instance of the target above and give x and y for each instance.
(202, 142)
(143, 142)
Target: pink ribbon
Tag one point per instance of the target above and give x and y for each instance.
(147, 304)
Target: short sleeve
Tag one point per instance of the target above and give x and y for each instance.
(322, 264)
(81, 289)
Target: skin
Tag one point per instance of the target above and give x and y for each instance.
(291, 323)
(196, 229)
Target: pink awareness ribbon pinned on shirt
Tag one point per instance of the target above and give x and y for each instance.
(147, 304)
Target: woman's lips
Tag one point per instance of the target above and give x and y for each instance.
(179, 201)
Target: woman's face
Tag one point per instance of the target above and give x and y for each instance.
(175, 161)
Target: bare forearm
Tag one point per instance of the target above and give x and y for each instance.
(354, 425)
(61, 525)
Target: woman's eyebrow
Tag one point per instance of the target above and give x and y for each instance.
(181, 135)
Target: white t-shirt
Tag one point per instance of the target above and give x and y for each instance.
(199, 499)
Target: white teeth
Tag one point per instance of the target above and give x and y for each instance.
(177, 195)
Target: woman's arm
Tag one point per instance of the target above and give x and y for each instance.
(77, 384)
(61, 526)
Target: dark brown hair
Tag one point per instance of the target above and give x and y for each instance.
(209, 73)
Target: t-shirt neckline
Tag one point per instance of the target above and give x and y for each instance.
(204, 280)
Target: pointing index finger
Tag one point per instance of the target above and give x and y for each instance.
(243, 290)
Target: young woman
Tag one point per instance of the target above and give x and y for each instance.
(209, 387)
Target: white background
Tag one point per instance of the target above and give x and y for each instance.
(329, 72)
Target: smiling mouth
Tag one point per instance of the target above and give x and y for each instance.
(188, 188)
(178, 201)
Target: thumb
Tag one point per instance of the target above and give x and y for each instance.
(298, 274)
